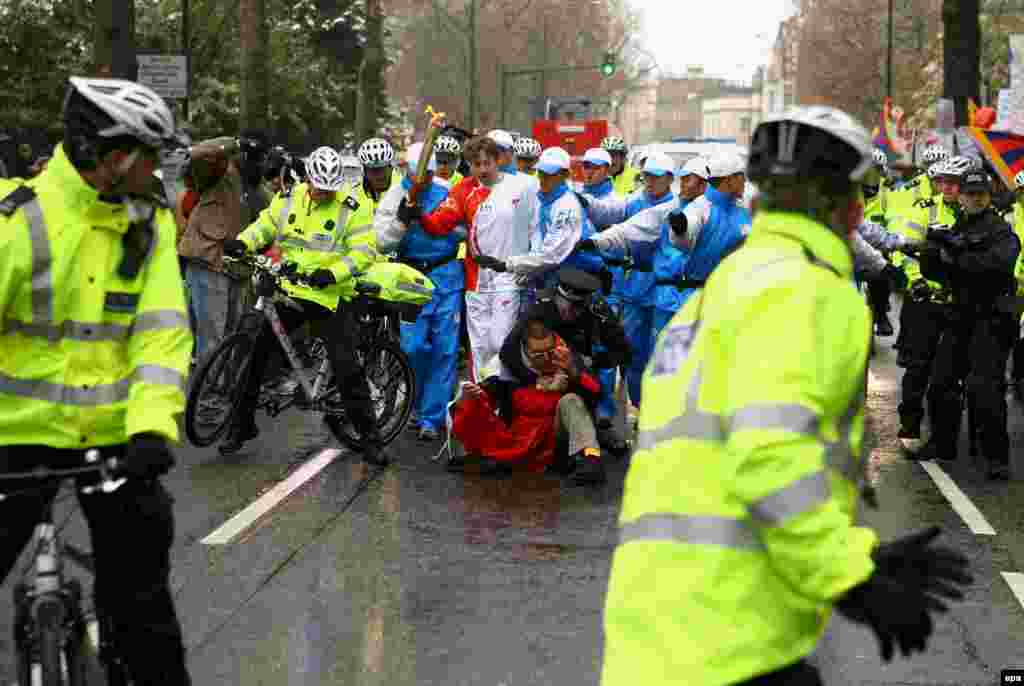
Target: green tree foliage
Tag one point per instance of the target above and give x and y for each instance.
(315, 52)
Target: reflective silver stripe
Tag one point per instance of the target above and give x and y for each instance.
(692, 529)
(86, 331)
(77, 331)
(283, 220)
(691, 424)
(360, 230)
(90, 396)
(414, 288)
(313, 246)
(42, 276)
(933, 213)
(159, 319)
(794, 418)
(799, 497)
(365, 249)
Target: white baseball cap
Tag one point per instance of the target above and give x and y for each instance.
(724, 164)
(412, 158)
(553, 161)
(503, 139)
(659, 164)
(698, 166)
(597, 156)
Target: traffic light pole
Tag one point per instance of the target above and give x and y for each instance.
(506, 73)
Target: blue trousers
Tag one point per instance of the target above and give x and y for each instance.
(432, 344)
(606, 402)
(638, 321)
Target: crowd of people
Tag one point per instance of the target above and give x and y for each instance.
(743, 334)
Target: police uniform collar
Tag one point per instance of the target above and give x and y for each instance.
(60, 173)
(816, 238)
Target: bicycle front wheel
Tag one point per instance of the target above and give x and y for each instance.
(217, 390)
(60, 659)
(392, 384)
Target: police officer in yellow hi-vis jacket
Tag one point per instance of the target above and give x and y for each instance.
(737, 526)
(94, 346)
(329, 236)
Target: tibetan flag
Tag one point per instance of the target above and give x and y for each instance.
(1004, 150)
(888, 138)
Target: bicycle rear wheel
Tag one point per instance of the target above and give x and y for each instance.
(392, 385)
(217, 389)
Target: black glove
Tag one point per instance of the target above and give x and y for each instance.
(147, 456)
(601, 310)
(936, 571)
(586, 245)
(321, 278)
(897, 614)
(234, 248)
(492, 263)
(953, 242)
(677, 220)
(407, 214)
(896, 276)
(607, 281)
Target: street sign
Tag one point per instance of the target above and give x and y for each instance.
(165, 74)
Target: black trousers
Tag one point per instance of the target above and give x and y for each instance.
(879, 291)
(341, 331)
(131, 531)
(801, 673)
(1018, 360)
(971, 362)
(921, 328)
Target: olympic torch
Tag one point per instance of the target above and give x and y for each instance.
(433, 132)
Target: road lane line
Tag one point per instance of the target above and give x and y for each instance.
(1015, 580)
(271, 499)
(971, 515)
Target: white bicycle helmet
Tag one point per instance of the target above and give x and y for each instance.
(957, 165)
(136, 110)
(881, 159)
(813, 142)
(376, 153)
(447, 144)
(614, 144)
(933, 154)
(527, 147)
(325, 170)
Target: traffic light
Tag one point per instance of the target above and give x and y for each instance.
(608, 66)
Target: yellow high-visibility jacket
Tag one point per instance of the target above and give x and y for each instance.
(737, 528)
(337, 235)
(87, 357)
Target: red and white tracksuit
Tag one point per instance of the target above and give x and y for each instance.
(499, 219)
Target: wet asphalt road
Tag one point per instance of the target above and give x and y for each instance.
(411, 575)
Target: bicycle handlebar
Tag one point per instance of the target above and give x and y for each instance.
(289, 271)
(106, 468)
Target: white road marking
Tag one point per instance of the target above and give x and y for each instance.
(93, 631)
(269, 500)
(971, 515)
(1015, 580)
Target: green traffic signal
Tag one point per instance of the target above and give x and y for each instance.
(608, 66)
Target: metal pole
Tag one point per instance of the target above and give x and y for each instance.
(188, 56)
(888, 61)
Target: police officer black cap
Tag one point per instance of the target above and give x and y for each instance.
(577, 285)
(976, 182)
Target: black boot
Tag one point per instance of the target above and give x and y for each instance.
(883, 327)
(588, 469)
(610, 439)
(998, 471)
(936, 449)
(909, 428)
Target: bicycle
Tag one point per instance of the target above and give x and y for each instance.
(50, 625)
(221, 378)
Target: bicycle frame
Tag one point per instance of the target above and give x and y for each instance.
(312, 391)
